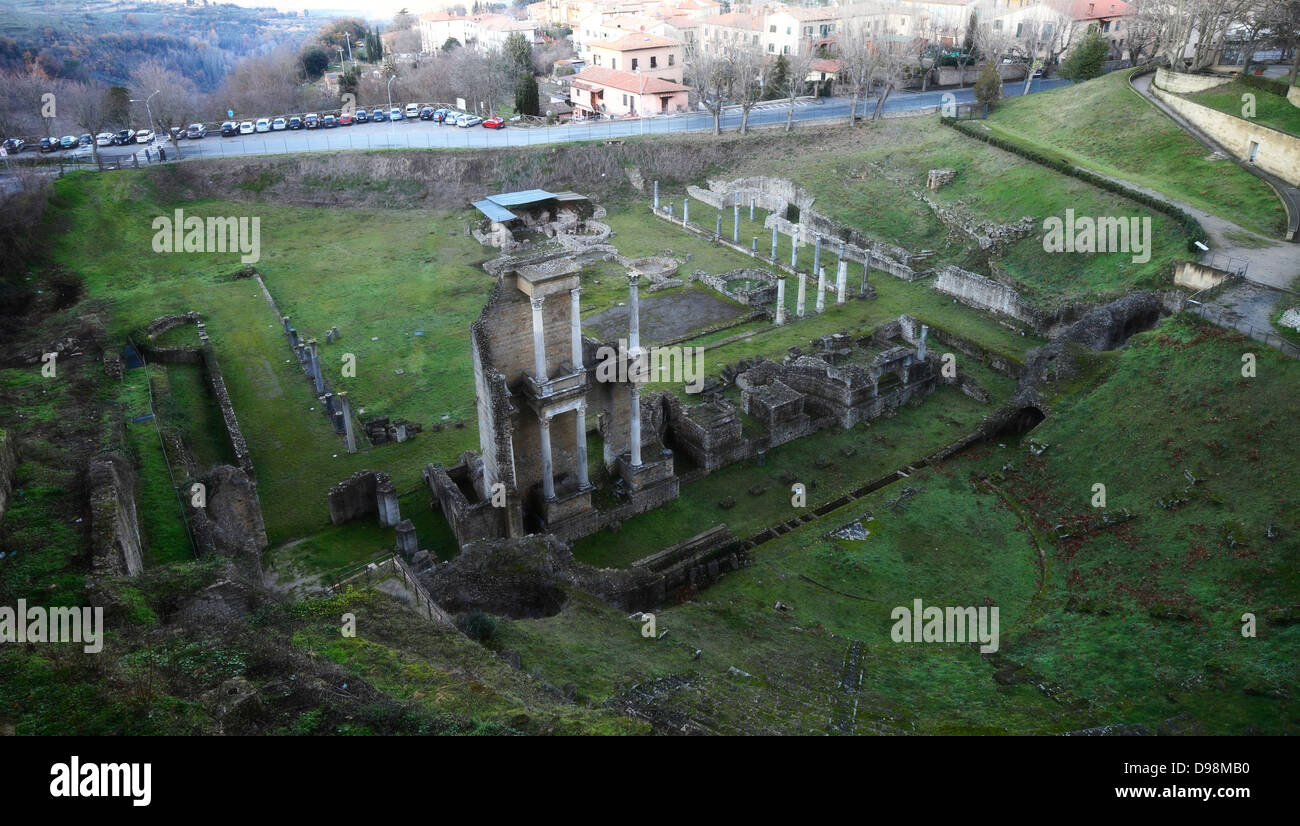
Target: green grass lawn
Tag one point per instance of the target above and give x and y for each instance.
(1270, 109)
(1083, 123)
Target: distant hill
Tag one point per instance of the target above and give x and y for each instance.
(105, 40)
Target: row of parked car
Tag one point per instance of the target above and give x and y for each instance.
(413, 111)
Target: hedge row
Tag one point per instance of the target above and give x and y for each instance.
(1190, 225)
(1267, 84)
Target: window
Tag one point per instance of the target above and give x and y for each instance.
(785, 50)
(1047, 31)
(671, 59)
(771, 47)
(771, 29)
(997, 25)
(625, 100)
(787, 30)
(634, 64)
(654, 62)
(1020, 29)
(807, 31)
(613, 63)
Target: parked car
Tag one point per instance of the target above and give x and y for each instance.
(378, 116)
(345, 119)
(124, 137)
(144, 136)
(279, 125)
(104, 139)
(246, 128)
(440, 114)
(85, 140)
(361, 116)
(495, 122)
(396, 114)
(262, 125)
(49, 144)
(196, 131)
(426, 113)
(229, 129)
(68, 142)
(15, 145)
(311, 121)
(295, 122)
(329, 122)
(468, 120)
(412, 110)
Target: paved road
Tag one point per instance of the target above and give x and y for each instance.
(430, 135)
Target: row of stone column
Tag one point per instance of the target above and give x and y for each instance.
(338, 408)
(541, 374)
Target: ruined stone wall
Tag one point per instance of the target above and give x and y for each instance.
(982, 293)
(217, 383)
(164, 323)
(364, 493)
(230, 524)
(8, 465)
(116, 544)
(468, 520)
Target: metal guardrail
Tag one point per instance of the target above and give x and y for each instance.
(1268, 337)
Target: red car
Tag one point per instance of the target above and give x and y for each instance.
(494, 123)
(345, 120)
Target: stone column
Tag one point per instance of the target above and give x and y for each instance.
(920, 347)
(780, 301)
(817, 254)
(686, 210)
(407, 543)
(293, 338)
(670, 209)
(287, 325)
(386, 501)
(794, 249)
(633, 314)
(539, 341)
(751, 209)
(754, 248)
(634, 429)
(735, 224)
(317, 380)
(580, 428)
(841, 283)
(773, 243)
(548, 470)
(799, 300)
(717, 227)
(348, 432)
(821, 290)
(656, 195)
(575, 327)
(866, 271)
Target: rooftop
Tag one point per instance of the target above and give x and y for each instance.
(594, 76)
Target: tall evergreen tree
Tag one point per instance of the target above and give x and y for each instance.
(527, 100)
(1085, 61)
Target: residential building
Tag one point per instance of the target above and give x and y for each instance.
(651, 54)
(482, 31)
(613, 93)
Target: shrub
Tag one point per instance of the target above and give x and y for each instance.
(1084, 62)
(480, 627)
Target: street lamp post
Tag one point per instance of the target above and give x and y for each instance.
(153, 127)
(390, 99)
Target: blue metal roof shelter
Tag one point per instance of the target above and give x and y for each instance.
(495, 207)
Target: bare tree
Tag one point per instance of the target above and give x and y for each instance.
(857, 62)
(798, 66)
(752, 74)
(709, 72)
(1197, 27)
(173, 100)
(889, 67)
(88, 109)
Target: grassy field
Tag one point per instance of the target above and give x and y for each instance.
(1270, 109)
(1079, 122)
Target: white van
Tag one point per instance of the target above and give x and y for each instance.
(413, 111)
